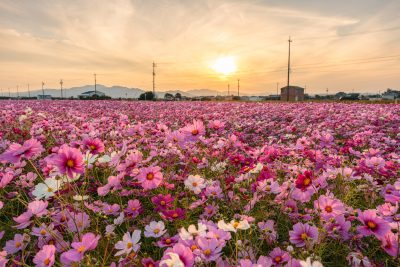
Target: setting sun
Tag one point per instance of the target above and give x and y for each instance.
(225, 65)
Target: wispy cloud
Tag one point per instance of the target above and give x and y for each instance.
(49, 40)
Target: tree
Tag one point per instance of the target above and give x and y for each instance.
(168, 96)
(147, 96)
(178, 96)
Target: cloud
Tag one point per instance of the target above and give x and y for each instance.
(120, 39)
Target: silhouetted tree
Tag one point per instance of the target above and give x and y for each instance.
(147, 96)
(178, 96)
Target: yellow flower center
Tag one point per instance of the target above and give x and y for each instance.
(129, 245)
(278, 259)
(303, 236)
(156, 231)
(150, 176)
(70, 163)
(43, 232)
(207, 252)
(371, 225)
(328, 209)
(81, 249)
(46, 261)
(195, 132)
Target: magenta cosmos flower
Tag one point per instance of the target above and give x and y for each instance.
(95, 146)
(150, 177)
(69, 161)
(372, 224)
(28, 150)
(303, 234)
(45, 257)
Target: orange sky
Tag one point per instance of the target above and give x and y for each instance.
(342, 45)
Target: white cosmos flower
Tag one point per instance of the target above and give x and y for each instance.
(193, 231)
(308, 263)
(174, 261)
(120, 219)
(195, 183)
(47, 189)
(128, 243)
(80, 197)
(155, 229)
(233, 226)
(258, 168)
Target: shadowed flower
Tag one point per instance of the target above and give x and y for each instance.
(28, 150)
(372, 224)
(45, 257)
(95, 146)
(303, 234)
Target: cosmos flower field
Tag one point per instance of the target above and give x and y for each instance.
(162, 184)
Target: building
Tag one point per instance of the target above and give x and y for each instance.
(293, 93)
(44, 97)
(90, 94)
(391, 94)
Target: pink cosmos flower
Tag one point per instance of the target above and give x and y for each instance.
(150, 177)
(18, 243)
(185, 254)
(279, 257)
(38, 207)
(329, 207)
(390, 244)
(77, 222)
(209, 249)
(45, 257)
(162, 202)
(95, 146)
(5, 179)
(193, 131)
(375, 163)
(134, 208)
(28, 150)
(303, 234)
(69, 161)
(372, 224)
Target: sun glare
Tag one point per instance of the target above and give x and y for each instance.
(225, 65)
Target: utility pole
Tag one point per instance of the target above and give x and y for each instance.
(95, 83)
(228, 89)
(277, 88)
(61, 84)
(154, 78)
(29, 91)
(327, 92)
(17, 91)
(305, 89)
(42, 90)
(238, 87)
(288, 71)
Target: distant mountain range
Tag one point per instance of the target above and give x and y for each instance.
(120, 91)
